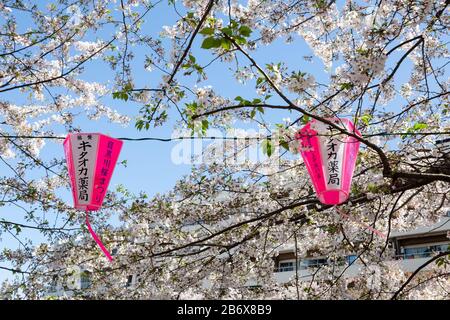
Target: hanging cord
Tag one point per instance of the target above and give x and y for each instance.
(346, 216)
(97, 239)
(379, 134)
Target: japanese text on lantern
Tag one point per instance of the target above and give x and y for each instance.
(332, 152)
(314, 161)
(333, 163)
(83, 167)
(104, 171)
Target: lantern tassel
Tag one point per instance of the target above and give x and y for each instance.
(97, 239)
(346, 216)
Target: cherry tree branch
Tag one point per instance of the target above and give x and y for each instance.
(414, 274)
(387, 171)
(268, 106)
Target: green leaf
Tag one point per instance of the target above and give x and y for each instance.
(17, 228)
(260, 109)
(320, 4)
(240, 40)
(372, 188)
(207, 31)
(305, 119)
(446, 108)
(419, 126)
(366, 119)
(416, 127)
(346, 86)
(260, 80)
(362, 52)
(440, 262)
(139, 124)
(127, 87)
(205, 126)
(252, 113)
(211, 42)
(245, 31)
(284, 144)
(120, 95)
(192, 107)
(227, 31)
(243, 102)
(267, 147)
(226, 44)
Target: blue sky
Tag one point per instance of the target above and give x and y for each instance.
(149, 166)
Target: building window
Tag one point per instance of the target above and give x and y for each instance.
(443, 146)
(53, 283)
(254, 287)
(129, 281)
(312, 263)
(85, 280)
(114, 251)
(351, 258)
(424, 252)
(285, 266)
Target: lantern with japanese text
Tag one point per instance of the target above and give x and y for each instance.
(330, 158)
(91, 158)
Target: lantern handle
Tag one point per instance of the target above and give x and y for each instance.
(346, 216)
(97, 239)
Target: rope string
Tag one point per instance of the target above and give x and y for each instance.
(346, 216)
(97, 239)
(379, 134)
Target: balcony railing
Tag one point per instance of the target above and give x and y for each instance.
(426, 252)
(303, 265)
(417, 253)
(411, 256)
(285, 269)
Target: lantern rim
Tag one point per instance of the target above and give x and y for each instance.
(333, 196)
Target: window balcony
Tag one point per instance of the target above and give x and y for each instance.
(305, 264)
(422, 252)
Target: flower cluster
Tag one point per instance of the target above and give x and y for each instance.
(299, 82)
(365, 66)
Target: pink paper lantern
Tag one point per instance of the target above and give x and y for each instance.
(91, 158)
(330, 158)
